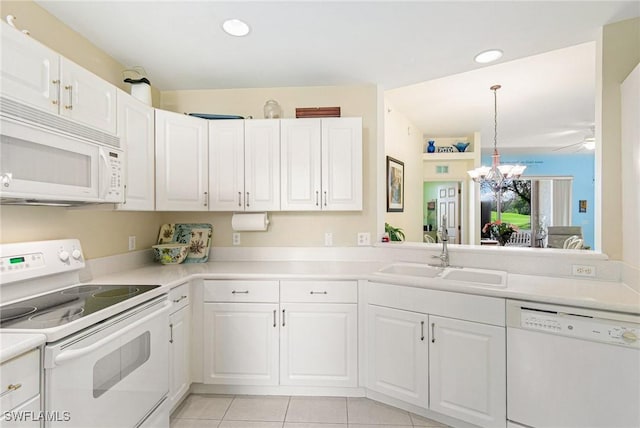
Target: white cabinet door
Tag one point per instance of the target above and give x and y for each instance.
(467, 371)
(179, 354)
(262, 165)
(318, 344)
(342, 164)
(29, 70)
(397, 356)
(226, 165)
(300, 154)
(137, 137)
(87, 98)
(181, 162)
(241, 343)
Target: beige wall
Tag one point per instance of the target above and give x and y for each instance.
(299, 228)
(403, 141)
(618, 53)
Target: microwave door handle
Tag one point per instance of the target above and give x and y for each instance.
(72, 354)
(105, 174)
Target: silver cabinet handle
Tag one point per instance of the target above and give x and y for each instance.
(325, 198)
(283, 317)
(70, 89)
(12, 387)
(247, 200)
(171, 333)
(318, 292)
(274, 318)
(317, 198)
(433, 332)
(422, 330)
(206, 198)
(240, 199)
(240, 292)
(180, 299)
(57, 100)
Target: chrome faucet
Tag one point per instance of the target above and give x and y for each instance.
(444, 237)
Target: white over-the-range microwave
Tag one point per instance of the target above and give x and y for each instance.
(46, 159)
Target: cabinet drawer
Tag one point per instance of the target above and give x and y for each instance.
(241, 291)
(14, 419)
(179, 297)
(20, 380)
(319, 291)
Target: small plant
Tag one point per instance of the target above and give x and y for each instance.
(395, 233)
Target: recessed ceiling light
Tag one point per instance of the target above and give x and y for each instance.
(235, 27)
(488, 56)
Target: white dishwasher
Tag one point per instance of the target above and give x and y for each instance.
(572, 367)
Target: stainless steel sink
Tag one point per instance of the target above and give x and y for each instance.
(412, 269)
(494, 278)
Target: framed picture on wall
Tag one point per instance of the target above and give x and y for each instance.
(395, 185)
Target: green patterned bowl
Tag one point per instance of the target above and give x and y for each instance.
(170, 254)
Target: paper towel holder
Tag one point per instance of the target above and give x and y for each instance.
(250, 222)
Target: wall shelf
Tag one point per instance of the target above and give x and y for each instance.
(448, 156)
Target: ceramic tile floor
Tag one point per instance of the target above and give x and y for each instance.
(242, 411)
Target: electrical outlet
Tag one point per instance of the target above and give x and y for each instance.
(328, 239)
(583, 270)
(132, 243)
(236, 238)
(364, 238)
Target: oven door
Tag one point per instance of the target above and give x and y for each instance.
(112, 375)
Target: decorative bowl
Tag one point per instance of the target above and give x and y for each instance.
(170, 254)
(461, 146)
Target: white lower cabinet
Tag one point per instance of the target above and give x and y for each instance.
(20, 397)
(467, 371)
(318, 344)
(397, 354)
(241, 343)
(179, 344)
(420, 351)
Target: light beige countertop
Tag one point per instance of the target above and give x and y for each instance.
(14, 344)
(587, 293)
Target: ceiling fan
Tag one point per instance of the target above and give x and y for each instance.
(588, 143)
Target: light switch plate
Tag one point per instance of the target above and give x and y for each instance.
(328, 239)
(132, 243)
(364, 238)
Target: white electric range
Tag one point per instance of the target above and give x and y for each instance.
(106, 357)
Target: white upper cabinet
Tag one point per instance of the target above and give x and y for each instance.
(301, 154)
(37, 76)
(262, 165)
(226, 165)
(342, 164)
(181, 162)
(137, 137)
(87, 98)
(322, 164)
(30, 70)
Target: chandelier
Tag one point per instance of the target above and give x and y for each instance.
(497, 176)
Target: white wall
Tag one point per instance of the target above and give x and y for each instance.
(630, 94)
(403, 141)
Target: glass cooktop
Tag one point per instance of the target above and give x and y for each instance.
(64, 306)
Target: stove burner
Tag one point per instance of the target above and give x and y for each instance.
(118, 292)
(11, 313)
(82, 289)
(57, 316)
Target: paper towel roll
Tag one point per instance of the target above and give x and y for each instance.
(253, 221)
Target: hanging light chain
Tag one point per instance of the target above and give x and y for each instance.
(495, 88)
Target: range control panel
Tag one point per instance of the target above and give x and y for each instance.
(29, 260)
(581, 327)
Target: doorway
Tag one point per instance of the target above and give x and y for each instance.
(442, 198)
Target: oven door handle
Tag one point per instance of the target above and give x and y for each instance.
(72, 354)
